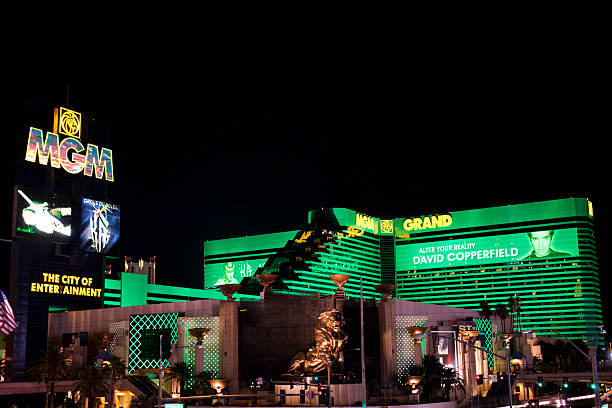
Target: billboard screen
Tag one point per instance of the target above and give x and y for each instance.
(232, 259)
(506, 248)
(100, 223)
(231, 272)
(42, 214)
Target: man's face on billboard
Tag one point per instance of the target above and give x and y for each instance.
(540, 241)
(229, 270)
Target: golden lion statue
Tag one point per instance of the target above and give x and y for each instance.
(330, 337)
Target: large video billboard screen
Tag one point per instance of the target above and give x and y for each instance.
(506, 248)
(223, 273)
(42, 214)
(230, 260)
(100, 224)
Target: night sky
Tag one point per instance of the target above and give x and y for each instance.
(238, 132)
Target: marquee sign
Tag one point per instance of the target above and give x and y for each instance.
(503, 248)
(67, 153)
(63, 284)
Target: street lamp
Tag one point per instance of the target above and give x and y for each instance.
(329, 364)
(593, 362)
(507, 358)
(340, 280)
(199, 334)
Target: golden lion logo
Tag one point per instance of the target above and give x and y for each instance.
(330, 338)
(70, 122)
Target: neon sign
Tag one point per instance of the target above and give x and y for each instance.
(366, 222)
(67, 154)
(66, 285)
(438, 221)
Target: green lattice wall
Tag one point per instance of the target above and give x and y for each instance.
(486, 338)
(163, 322)
(114, 329)
(405, 341)
(211, 343)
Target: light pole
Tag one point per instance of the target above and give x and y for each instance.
(507, 358)
(201, 333)
(593, 363)
(364, 392)
(161, 373)
(329, 376)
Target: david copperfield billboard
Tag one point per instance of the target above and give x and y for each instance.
(100, 223)
(458, 239)
(531, 245)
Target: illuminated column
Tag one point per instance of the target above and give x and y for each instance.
(265, 281)
(228, 322)
(470, 367)
(199, 360)
(386, 318)
(418, 353)
(199, 333)
(418, 333)
(339, 295)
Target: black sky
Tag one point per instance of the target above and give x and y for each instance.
(228, 132)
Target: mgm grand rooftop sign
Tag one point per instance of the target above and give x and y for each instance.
(67, 154)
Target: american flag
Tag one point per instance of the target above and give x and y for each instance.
(7, 318)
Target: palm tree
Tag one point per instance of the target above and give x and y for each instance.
(485, 309)
(549, 361)
(432, 374)
(451, 381)
(501, 311)
(115, 369)
(91, 383)
(49, 367)
(179, 373)
(560, 351)
(514, 304)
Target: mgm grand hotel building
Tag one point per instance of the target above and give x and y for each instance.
(543, 254)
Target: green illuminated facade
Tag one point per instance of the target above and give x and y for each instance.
(304, 259)
(132, 289)
(544, 253)
(499, 252)
(144, 346)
